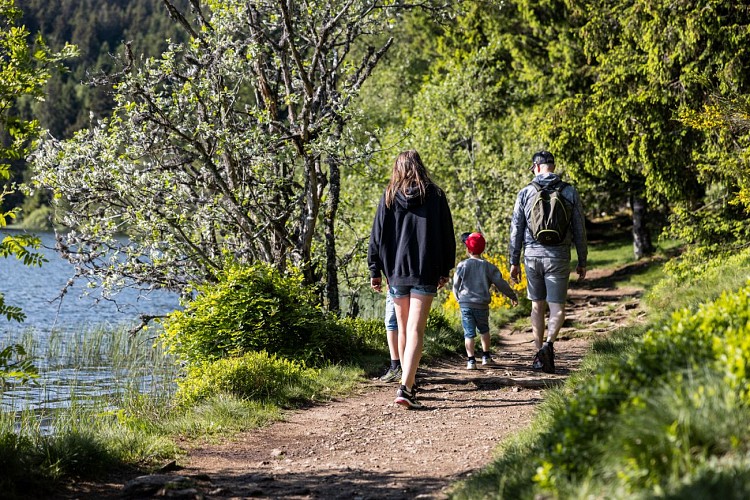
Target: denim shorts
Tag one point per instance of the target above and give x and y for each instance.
(547, 279)
(473, 320)
(391, 324)
(401, 291)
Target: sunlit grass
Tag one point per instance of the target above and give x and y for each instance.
(609, 255)
(708, 282)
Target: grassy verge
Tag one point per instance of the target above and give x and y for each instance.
(657, 411)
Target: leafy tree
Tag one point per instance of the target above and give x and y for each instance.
(650, 60)
(464, 123)
(231, 144)
(24, 68)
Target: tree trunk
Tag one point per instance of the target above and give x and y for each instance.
(332, 279)
(642, 245)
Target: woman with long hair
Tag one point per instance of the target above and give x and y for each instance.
(412, 242)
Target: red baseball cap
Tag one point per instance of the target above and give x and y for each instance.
(474, 242)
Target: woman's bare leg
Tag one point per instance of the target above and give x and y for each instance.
(418, 310)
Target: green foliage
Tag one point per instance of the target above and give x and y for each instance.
(257, 308)
(673, 434)
(707, 339)
(438, 320)
(39, 219)
(254, 376)
(370, 333)
(461, 121)
(712, 339)
(85, 444)
(24, 69)
(441, 336)
(694, 278)
(14, 363)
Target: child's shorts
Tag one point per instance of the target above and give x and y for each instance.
(391, 324)
(473, 320)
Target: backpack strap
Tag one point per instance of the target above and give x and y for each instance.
(558, 186)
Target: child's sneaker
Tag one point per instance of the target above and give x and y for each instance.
(407, 399)
(547, 356)
(487, 360)
(471, 364)
(392, 375)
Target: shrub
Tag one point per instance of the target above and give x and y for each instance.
(370, 333)
(257, 308)
(713, 338)
(255, 376)
(693, 280)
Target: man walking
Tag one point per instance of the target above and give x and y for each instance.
(547, 219)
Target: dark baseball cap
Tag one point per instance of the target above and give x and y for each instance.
(542, 157)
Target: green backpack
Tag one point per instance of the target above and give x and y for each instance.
(550, 213)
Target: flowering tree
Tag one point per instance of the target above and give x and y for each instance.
(227, 148)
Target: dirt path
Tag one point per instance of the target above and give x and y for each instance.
(366, 447)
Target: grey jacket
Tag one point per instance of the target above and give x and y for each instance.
(472, 281)
(520, 234)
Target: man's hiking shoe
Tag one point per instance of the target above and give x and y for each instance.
(547, 357)
(407, 399)
(471, 364)
(487, 360)
(392, 375)
(537, 364)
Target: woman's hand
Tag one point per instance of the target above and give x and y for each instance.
(442, 281)
(375, 284)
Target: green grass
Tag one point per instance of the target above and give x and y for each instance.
(618, 256)
(704, 282)
(608, 255)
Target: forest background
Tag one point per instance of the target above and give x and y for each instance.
(242, 147)
(644, 105)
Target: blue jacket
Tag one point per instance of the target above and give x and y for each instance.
(520, 233)
(413, 242)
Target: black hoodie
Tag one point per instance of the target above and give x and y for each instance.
(413, 242)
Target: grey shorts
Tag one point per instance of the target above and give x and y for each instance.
(547, 279)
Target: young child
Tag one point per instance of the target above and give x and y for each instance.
(471, 286)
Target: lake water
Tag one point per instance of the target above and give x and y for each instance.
(50, 320)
